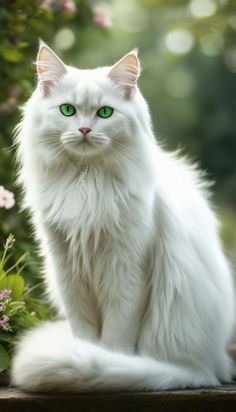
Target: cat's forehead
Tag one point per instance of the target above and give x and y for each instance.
(87, 87)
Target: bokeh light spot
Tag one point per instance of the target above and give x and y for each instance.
(132, 18)
(179, 41)
(64, 39)
(202, 8)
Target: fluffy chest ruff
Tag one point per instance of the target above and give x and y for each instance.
(92, 217)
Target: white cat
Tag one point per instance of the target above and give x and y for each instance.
(132, 255)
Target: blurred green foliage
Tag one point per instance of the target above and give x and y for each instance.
(19, 308)
(188, 51)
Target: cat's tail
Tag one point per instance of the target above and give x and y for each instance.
(50, 358)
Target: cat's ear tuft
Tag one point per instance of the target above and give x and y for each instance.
(126, 72)
(50, 68)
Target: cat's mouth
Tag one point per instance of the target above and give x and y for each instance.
(82, 145)
(85, 140)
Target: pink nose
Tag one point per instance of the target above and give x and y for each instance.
(84, 130)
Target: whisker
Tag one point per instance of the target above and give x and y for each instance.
(56, 153)
(128, 150)
(51, 144)
(123, 156)
(71, 140)
(51, 137)
(124, 159)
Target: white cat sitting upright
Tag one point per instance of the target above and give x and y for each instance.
(132, 255)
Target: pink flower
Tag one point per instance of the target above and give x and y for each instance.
(9, 199)
(102, 16)
(46, 5)
(6, 198)
(5, 319)
(67, 6)
(4, 293)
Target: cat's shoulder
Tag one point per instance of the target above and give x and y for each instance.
(181, 181)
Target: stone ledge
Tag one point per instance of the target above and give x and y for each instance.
(199, 400)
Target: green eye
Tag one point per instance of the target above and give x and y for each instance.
(105, 112)
(67, 109)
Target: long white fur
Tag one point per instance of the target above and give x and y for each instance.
(131, 248)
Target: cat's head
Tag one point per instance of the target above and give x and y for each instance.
(87, 113)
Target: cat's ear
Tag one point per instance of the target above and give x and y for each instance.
(50, 68)
(126, 72)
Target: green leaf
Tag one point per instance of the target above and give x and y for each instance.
(22, 44)
(12, 55)
(2, 275)
(4, 359)
(6, 337)
(15, 283)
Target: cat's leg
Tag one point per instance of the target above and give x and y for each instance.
(74, 292)
(81, 309)
(122, 297)
(82, 312)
